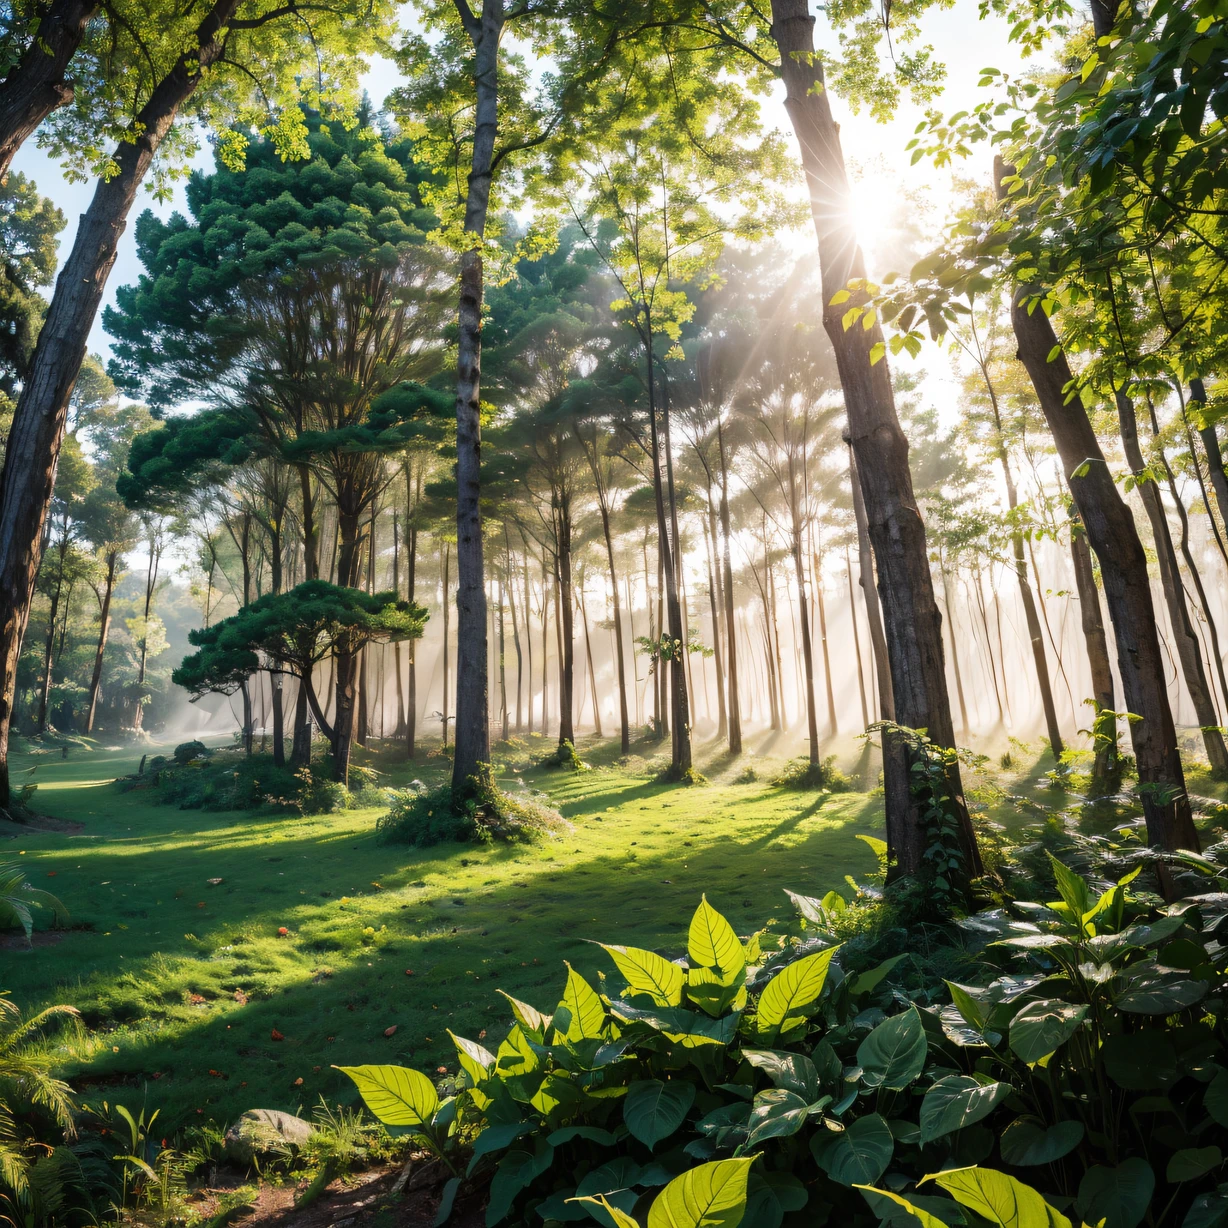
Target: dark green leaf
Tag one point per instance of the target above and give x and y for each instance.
(1118, 1196)
(893, 1054)
(958, 1101)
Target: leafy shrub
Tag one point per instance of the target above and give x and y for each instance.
(564, 756)
(186, 752)
(422, 817)
(802, 774)
(747, 776)
(1090, 1048)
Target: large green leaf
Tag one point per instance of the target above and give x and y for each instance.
(858, 1155)
(999, 1198)
(580, 1009)
(529, 1017)
(958, 1101)
(793, 1071)
(893, 1054)
(769, 1195)
(1075, 893)
(711, 942)
(887, 1206)
(653, 1109)
(710, 1196)
(1190, 1163)
(648, 973)
(617, 1216)
(792, 994)
(1026, 1142)
(516, 1171)
(476, 1060)
(1042, 1027)
(1215, 1098)
(1208, 1210)
(1119, 1196)
(396, 1095)
(777, 1113)
(1160, 995)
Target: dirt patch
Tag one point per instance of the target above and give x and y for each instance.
(351, 1203)
(37, 822)
(43, 938)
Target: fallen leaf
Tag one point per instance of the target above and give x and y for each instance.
(409, 972)
(298, 1082)
(213, 882)
(276, 1035)
(390, 1031)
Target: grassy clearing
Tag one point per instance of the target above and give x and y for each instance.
(185, 985)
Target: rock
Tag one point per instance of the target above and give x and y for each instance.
(265, 1132)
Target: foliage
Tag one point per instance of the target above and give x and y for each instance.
(17, 897)
(742, 1051)
(800, 773)
(423, 817)
(564, 756)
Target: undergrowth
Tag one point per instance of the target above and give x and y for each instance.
(802, 774)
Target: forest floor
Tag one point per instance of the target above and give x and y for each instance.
(196, 1005)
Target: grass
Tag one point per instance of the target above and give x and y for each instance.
(185, 985)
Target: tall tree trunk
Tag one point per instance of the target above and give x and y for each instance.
(993, 661)
(735, 708)
(511, 596)
(503, 713)
(952, 631)
(528, 636)
(861, 676)
(912, 622)
(472, 700)
(411, 699)
(869, 591)
(104, 628)
(715, 603)
(447, 558)
(564, 622)
(349, 560)
(37, 84)
(1113, 536)
(1106, 765)
(833, 725)
(37, 429)
(1215, 456)
(545, 647)
(44, 691)
(812, 719)
(592, 673)
(1189, 651)
(624, 721)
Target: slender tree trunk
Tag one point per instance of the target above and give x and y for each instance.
(411, 699)
(1112, 534)
(861, 676)
(472, 700)
(1215, 456)
(528, 635)
(624, 721)
(715, 603)
(503, 713)
(1106, 766)
(735, 709)
(447, 553)
(38, 83)
(592, 673)
(1189, 651)
(44, 691)
(565, 605)
(951, 631)
(912, 622)
(833, 725)
(869, 591)
(37, 429)
(545, 648)
(812, 720)
(104, 628)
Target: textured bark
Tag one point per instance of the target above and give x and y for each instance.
(734, 701)
(37, 430)
(37, 84)
(1215, 455)
(812, 719)
(951, 631)
(1112, 534)
(1189, 650)
(472, 699)
(715, 603)
(1106, 768)
(564, 611)
(861, 674)
(911, 619)
(104, 629)
(624, 720)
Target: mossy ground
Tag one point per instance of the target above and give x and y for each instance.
(185, 985)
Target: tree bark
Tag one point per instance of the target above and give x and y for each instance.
(861, 676)
(472, 699)
(1215, 456)
(104, 628)
(715, 604)
(44, 691)
(1113, 535)
(1189, 651)
(564, 622)
(624, 720)
(912, 622)
(37, 429)
(735, 707)
(812, 719)
(592, 673)
(37, 84)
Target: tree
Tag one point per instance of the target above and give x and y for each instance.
(294, 632)
(238, 51)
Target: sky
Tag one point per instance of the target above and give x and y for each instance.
(874, 151)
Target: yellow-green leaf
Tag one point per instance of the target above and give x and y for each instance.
(791, 995)
(711, 942)
(396, 1095)
(648, 973)
(710, 1196)
(586, 1013)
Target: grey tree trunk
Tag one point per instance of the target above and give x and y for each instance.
(104, 628)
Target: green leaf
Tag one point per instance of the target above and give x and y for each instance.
(1075, 893)
(999, 1198)
(396, 1095)
(868, 981)
(1041, 1027)
(858, 1155)
(1119, 1196)
(585, 1015)
(886, 1206)
(495, 1138)
(1160, 995)
(710, 1196)
(529, 1017)
(792, 994)
(653, 1110)
(618, 1217)
(777, 1113)
(517, 1171)
(1190, 1163)
(958, 1101)
(975, 1013)
(594, 1134)
(1208, 1210)
(648, 973)
(1026, 1142)
(795, 1072)
(446, 1202)
(1215, 1098)
(1140, 1061)
(476, 1060)
(893, 1054)
(711, 942)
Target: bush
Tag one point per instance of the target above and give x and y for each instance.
(802, 774)
(1087, 1048)
(422, 817)
(186, 752)
(563, 756)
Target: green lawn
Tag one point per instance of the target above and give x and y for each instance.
(184, 984)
